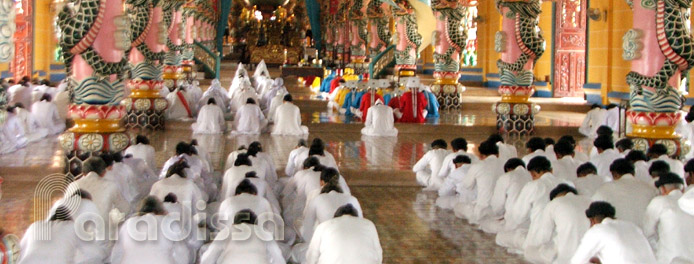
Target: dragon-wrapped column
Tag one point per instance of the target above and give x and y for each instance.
(660, 49)
(145, 105)
(520, 43)
(342, 30)
(359, 35)
(95, 40)
(408, 39)
(379, 28)
(449, 41)
(173, 17)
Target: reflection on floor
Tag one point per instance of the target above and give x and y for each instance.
(378, 171)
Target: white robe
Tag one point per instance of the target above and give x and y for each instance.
(506, 192)
(345, 239)
(594, 119)
(322, 208)
(32, 127)
(210, 120)
(57, 247)
(641, 172)
(555, 235)
(20, 94)
(13, 131)
(327, 160)
(292, 161)
(144, 152)
(428, 167)
(232, 205)
(603, 161)
(62, 101)
(232, 177)
(526, 159)
(565, 168)
(612, 119)
(670, 230)
(288, 120)
(528, 206)
(589, 184)
(608, 242)
(249, 119)
(125, 178)
(195, 94)
(380, 121)
(161, 244)
(46, 114)
(447, 166)
(482, 178)
(238, 81)
(506, 151)
(240, 98)
(83, 212)
(676, 166)
(218, 93)
(228, 250)
(275, 102)
(187, 193)
(105, 194)
(264, 191)
(177, 105)
(449, 195)
(629, 196)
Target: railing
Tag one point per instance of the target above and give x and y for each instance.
(380, 62)
(209, 60)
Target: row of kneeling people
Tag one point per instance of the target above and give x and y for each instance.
(553, 206)
(120, 211)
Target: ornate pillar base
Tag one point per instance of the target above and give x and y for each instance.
(406, 70)
(145, 108)
(188, 70)
(97, 129)
(447, 90)
(650, 128)
(515, 115)
(359, 65)
(173, 76)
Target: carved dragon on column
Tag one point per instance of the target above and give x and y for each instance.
(654, 96)
(96, 65)
(521, 44)
(172, 58)
(449, 41)
(144, 105)
(187, 54)
(341, 30)
(380, 28)
(359, 36)
(408, 39)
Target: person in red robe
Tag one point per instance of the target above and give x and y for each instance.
(370, 97)
(413, 103)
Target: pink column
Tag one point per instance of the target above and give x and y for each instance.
(406, 48)
(449, 41)
(379, 18)
(359, 35)
(173, 72)
(655, 74)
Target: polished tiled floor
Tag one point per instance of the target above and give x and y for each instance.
(411, 228)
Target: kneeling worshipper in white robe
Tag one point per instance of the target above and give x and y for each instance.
(240, 77)
(660, 152)
(565, 165)
(612, 116)
(588, 181)
(57, 241)
(263, 189)
(287, 119)
(245, 197)
(124, 177)
(274, 101)
(427, 168)
(459, 146)
(32, 128)
(194, 93)
(629, 195)
(594, 119)
(260, 75)
(555, 235)
(210, 119)
(448, 197)
(347, 238)
(506, 151)
(292, 160)
(670, 229)
(320, 209)
(294, 193)
(218, 93)
(187, 192)
(249, 119)
(506, 192)
(85, 215)
(241, 96)
(20, 93)
(179, 104)
(105, 194)
(481, 179)
(13, 129)
(235, 174)
(317, 149)
(606, 155)
(535, 147)
(144, 176)
(529, 204)
(162, 242)
(46, 113)
(243, 242)
(142, 150)
(380, 121)
(611, 240)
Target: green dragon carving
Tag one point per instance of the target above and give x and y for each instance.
(528, 37)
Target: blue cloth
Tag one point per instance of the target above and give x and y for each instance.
(352, 102)
(387, 97)
(432, 105)
(325, 85)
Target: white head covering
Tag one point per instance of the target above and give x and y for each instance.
(378, 102)
(351, 84)
(241, 70)
(261, 68)
(411, 82)
(373, 83)
(362, 85)
(279, 82)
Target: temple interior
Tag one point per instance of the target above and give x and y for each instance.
(116, 70)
